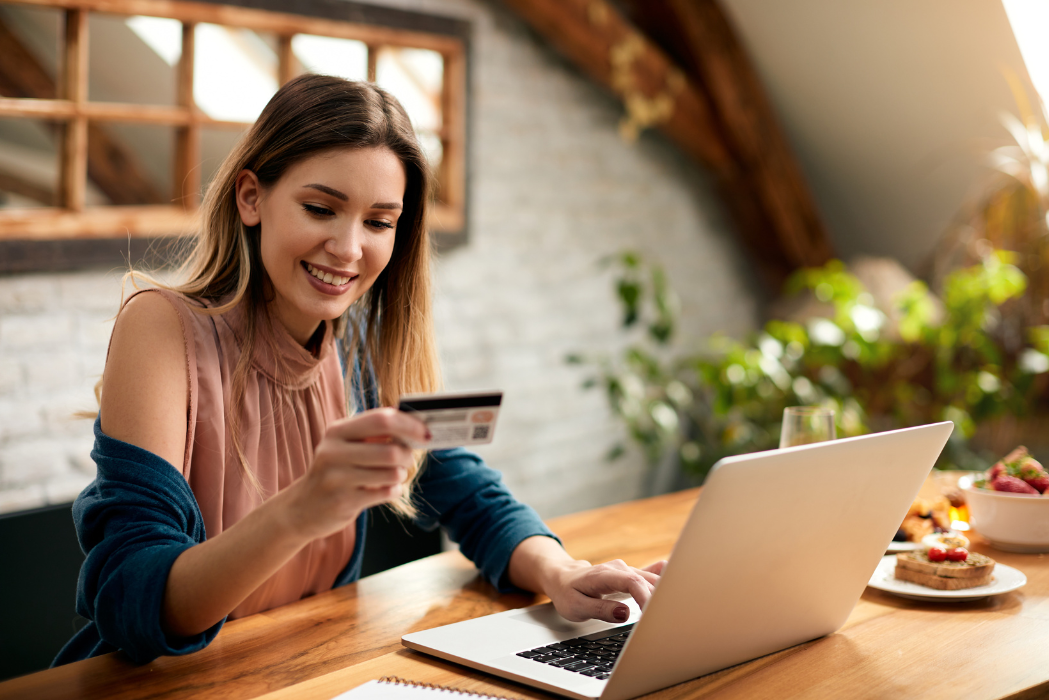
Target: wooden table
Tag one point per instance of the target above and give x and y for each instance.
(321, 646)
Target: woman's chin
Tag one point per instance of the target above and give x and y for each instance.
(302, 314)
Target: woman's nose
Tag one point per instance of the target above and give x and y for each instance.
(346, 245)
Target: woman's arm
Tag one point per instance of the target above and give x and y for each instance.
(144, 403)
(348, 475)
(145, 387)
(511, 545)
(576, 588)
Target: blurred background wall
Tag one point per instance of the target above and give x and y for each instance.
(553, 190)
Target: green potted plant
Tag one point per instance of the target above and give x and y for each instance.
(935, 359)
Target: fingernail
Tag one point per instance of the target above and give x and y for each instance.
(621, 614)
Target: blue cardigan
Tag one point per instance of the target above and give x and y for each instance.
(139, 515)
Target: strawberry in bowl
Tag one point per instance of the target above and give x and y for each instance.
(1017, 472)
(1009, 505)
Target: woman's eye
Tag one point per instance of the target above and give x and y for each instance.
(317, 211)
(376, 223)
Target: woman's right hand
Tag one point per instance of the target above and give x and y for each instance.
(362, 461)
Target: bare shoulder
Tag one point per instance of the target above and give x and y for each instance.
(149, 313)
(145, 387)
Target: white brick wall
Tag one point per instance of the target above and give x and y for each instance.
(553, 190)
(53, 335)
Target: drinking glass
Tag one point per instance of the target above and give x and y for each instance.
(803, 425)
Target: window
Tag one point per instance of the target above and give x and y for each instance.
(115, 114)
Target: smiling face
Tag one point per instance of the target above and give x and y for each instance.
(327, 231)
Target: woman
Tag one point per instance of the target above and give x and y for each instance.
(230, 477)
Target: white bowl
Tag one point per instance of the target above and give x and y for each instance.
(1014, 522)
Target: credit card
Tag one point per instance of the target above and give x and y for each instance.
(455, 420)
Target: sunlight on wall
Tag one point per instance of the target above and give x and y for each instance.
(1030, 23)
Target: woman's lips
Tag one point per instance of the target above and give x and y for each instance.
(327, 287)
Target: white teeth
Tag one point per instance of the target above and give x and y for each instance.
(328, 277)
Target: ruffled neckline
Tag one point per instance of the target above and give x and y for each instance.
(278, 355)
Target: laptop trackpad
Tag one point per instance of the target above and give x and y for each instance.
(546, 616)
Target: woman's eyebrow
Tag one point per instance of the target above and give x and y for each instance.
(328, 190)
(340, 195)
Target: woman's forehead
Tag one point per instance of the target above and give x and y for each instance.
(354, 172)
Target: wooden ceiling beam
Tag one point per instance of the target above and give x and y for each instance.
(110, 165)
(699, 37)
(21, 74)
(15, 184)
(774, 214)
(613, 53)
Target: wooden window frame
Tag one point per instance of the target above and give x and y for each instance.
(74, 236)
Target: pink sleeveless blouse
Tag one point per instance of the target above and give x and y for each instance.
(289, 400)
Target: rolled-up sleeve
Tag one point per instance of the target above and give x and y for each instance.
(458, 491)
(133, 522)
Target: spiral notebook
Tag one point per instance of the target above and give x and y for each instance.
(393, 688)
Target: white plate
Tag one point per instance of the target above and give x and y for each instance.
(897, 547)
(1004, 579)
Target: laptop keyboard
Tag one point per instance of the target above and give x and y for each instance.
(593, 655)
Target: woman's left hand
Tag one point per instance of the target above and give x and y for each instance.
(577, 589)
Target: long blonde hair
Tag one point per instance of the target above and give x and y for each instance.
(309, 115)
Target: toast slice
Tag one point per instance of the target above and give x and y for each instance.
(943, 583)
(976, 566)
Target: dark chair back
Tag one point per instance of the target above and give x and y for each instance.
(393, 541)
(40, 559)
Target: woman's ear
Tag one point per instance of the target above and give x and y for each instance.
(249, 194)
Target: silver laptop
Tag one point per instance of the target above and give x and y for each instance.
(776, 552)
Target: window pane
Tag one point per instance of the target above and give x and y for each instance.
(133, 59)
(415, 77)
(235, 73)
(28, 163)
(130, 164)
(215, 145)
(162, 35)
(32, 53)
(344, 58)
(432, 147)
